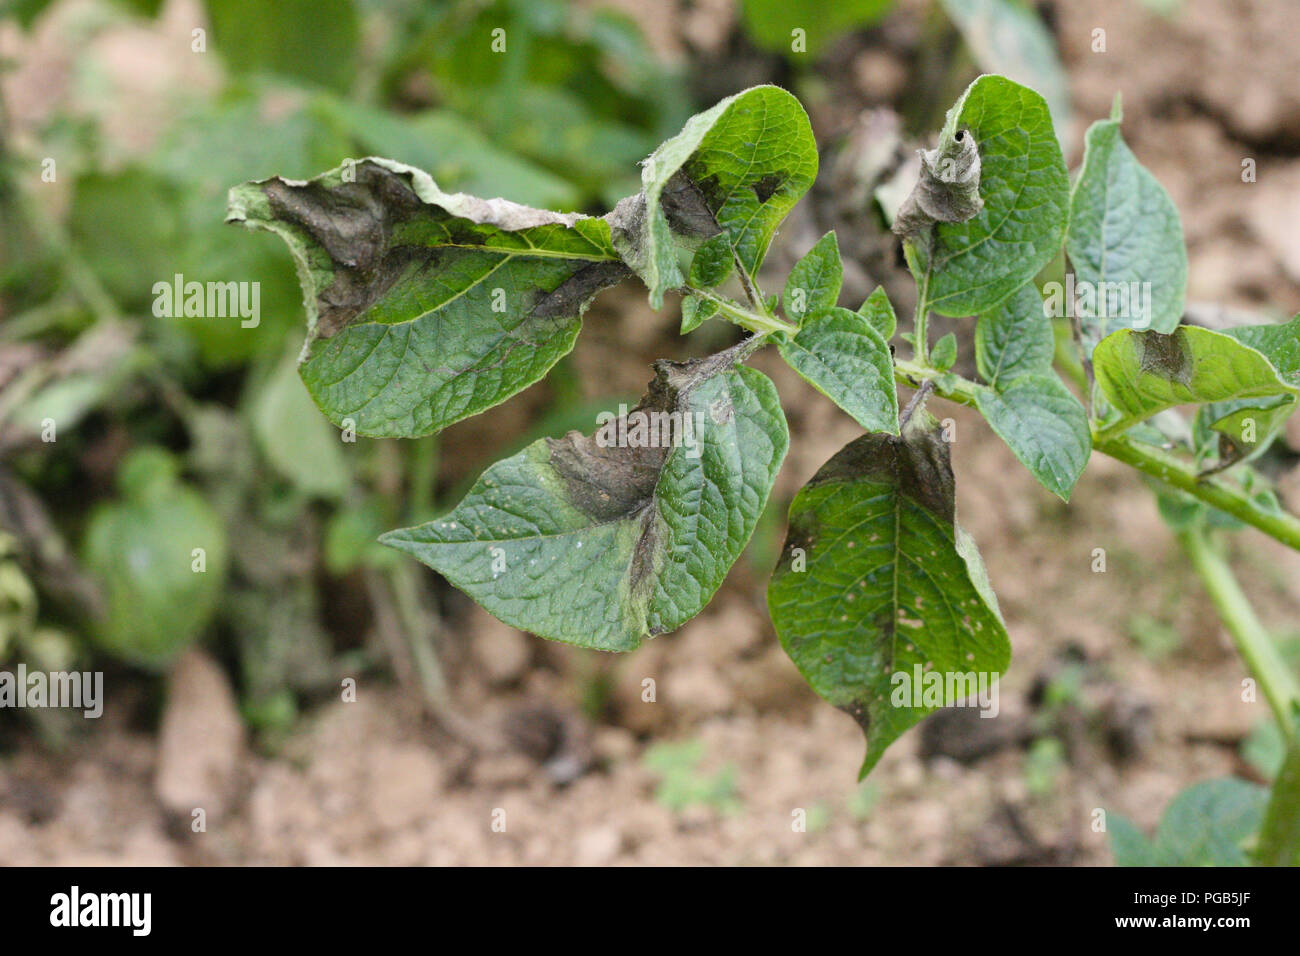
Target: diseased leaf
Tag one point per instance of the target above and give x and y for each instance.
(814, 283)
(1015, 338)
(1125, 241)
(588, 542)
(877, 584)
(735, 169)
(424, 307)
(947, 190)
(840, 354)
(965, 268)
(1043, 425)
(1141, 373)
(1007, 37)
(878, 311)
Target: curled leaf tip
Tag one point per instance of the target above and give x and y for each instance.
(948, 189)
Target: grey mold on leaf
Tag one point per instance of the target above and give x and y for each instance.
(948, 189)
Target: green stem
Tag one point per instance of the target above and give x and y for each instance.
(1149, 460)
(1279, 836)
(921, 318)
(1217, 492)
(1255, 646)
(755, 322)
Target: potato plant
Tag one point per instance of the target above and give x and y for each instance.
(426, 307)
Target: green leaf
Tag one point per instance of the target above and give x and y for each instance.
(1128, 843)
(1252, 424)
(814, 283)
(944, 353)
(696, 311)
(456, 155)
(712, 263)
(1125, 242)
(840, 354)
(1280, 344)
(1007, 37)
(1209, 823)
(583, 541)
(127, 228)
(772, 23)
(1015, 338)
(141, 548)
(299, 444)
(1043, 425)
(878, 311)
(877, 580)
(735, 169)
(424, 307)
(969, 267)
(1141, 373)
(312, 40)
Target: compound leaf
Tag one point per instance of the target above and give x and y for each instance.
(735, 169)
(814, 283)
(602, 541)
(1043, 425)
(425, 307)
(841, 355)
(877, 584)
(1125, 241)
(968, 267)
(1142, 372)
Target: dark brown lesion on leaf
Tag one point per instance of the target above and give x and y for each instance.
(1167, 356)
(917, 464)
(858, 711)
(359, 224)
(766, 186)
(687, 208)
(569, 296)
(614, 483)
(353, 222)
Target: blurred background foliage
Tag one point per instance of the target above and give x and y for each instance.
(128, 440)
(135, 449)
